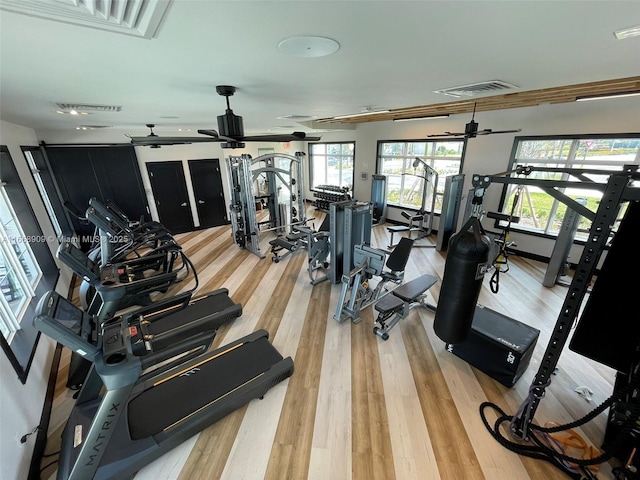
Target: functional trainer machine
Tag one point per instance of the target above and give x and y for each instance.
(350, 224)
(126, 414)
(417, 221)
(379, 198)
(275, 179)
(451, 201)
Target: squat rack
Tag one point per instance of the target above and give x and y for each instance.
(616, 190)
(280, 171)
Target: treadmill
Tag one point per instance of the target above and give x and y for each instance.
(137, 404)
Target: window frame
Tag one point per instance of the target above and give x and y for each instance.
(310, 147)
(21, 348)
(10, 241)
(429, 159)
(505, 204)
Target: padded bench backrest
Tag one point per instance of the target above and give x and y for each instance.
(398, 259)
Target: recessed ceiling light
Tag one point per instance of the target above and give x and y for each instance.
(606, 96)
(426, 117)
(308, 46)
(362, 114)
(627, 32)
(71, 112)
(297, 117)
(91, 127)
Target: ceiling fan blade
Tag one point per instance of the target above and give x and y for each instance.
(286, 137)
(155, 140)
(507, 131)
(447, 134)
(211, 133)
(222, 138)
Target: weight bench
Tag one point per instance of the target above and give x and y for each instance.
(415, 225)
(396, 229)
(293, 242)
(407, 296)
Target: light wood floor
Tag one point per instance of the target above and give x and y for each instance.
(358, 407)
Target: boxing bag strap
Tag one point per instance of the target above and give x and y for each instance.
(474, 225)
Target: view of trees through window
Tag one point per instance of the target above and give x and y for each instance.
(332, 164)
(405, 184)
(539, 211)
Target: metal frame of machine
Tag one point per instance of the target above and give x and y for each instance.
(244, 172)
(616, 190)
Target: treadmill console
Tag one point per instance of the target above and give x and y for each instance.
(78, 261)
(121, 338)
(64, 322)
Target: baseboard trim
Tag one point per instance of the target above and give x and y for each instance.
(41, 435)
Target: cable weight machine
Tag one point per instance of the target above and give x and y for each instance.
(417, 221)
(276, 179)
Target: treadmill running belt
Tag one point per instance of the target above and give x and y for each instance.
(218, 309)
(167, 403)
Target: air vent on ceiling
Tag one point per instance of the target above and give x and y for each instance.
(141, 18)
(92, 127)
(476, 88)
(87, 107)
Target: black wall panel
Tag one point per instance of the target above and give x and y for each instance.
(107, 173)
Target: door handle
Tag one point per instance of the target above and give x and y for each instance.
(183, 204)
(200, 202)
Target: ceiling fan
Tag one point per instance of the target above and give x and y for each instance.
(230, 131)
(471, 130)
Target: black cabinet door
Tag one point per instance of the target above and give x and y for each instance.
(120, 180)
(170, 193)
(207, 188)
(107, 173)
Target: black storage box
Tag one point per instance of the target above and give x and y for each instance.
(498, 345)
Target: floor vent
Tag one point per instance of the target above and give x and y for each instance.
(476, 89)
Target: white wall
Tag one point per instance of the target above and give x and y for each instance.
(21, 405)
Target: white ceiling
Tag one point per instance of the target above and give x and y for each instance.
(392, 54)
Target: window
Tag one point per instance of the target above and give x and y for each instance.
(540, 212)
(405, 184)
(331, 164)
(40, 180)
(19, 271)
(27, 268)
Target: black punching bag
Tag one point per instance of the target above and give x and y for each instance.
(467, 257)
